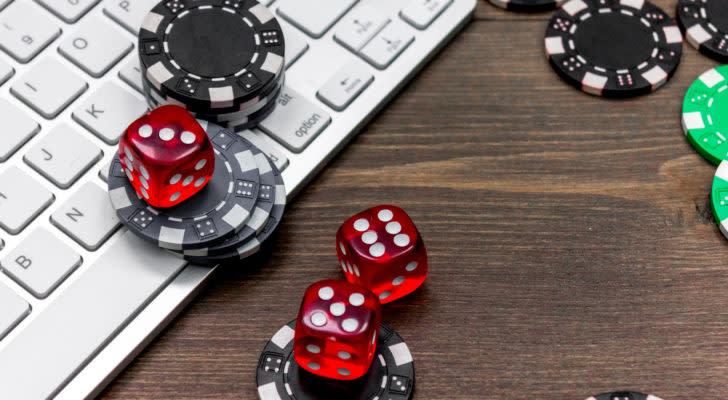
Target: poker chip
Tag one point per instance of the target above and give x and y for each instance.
(391, 376)
(259, 217)
(705, 23)
(624, 396)
(613, 48)
(719, 197)
(216, 212)
(527, 5)
(705, 114)
(188, 53)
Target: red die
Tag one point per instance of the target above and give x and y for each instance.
(167, 156)
(336, 330)
(381, 249)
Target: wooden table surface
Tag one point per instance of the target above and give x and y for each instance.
(571, 243)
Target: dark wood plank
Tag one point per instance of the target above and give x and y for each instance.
(571, 244)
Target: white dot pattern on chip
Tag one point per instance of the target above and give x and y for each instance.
(376, 250)
(312, 348)
(313, 366)
(350, 325)
(175, 179)
(343, 372)
(337, 309)
(369, 237)
(199, 181)
(393, 228)
(401, 240)
(356, 299)
(385, 294)
(411, 266)
(361, 224)
(200, 164)
(188, 180)
(145, 131)
(385, 215)
(166, 134)
(175, 196)
(326, 293)
(398, 280)
(343, 249)
(318, 319)
(344, 355)
(188, 137)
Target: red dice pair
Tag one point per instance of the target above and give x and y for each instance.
(384, 259)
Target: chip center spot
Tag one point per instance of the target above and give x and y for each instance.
(211, 42)
(614, 41)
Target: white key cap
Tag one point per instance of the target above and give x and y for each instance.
(69, 10)
(387, 45)
(421, 13)
(359, 27)
(4, 3)
(295, 122)
(22, 198)
(95, 47)
(345, 85)
(40, 263)
(63, 155)
(295, 45)
(104, 172)
(129, 13)
(17, 129)
(6, 71)
(108, 111)
(13, 311)
(49, 87)
(87, 216)
(132, 74)
(85, 316)
(25, 31)
(315, 17)
(259, 140)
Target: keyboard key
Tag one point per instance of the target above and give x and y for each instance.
(68, 10)
(132, 74)
(346, 85)
(95, 47)
(295, 122)
(13, 311)
(87, 216)
(22, 198)
(260, 141)
(359, 27)
(40, 263)
(109, 111)
(49, 87)
(104, 172)
(296, 45)
(17, 129)
(387, 45)
(315, 17)
(63, 155)
(129, 13)
(25, 31)
(6, 71)
(84, 317)
(421, 13)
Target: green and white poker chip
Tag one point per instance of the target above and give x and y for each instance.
(705, 114)
(719, 197)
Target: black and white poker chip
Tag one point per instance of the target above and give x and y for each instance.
(216, 212)
(624, 396)
(613, 48)
(247, 248)
(527, 5)
(705, 23)
(259, 217)
(391, 376)
(211, 55)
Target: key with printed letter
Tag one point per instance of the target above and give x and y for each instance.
(388, 45)
(40, 263)
(22, 198)
(108, 111)
(25, 31)
(49, 87)
(295, 122)
(68, 10)
(95, 47)
(359, 27)
(421, 13)
(346, 85)
(87, 216)
(129, 13)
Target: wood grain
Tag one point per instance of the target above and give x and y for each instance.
(571, 242)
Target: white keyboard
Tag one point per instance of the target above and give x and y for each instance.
(79, 295)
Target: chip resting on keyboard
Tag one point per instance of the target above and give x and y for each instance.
(215, 213)
(212, 58)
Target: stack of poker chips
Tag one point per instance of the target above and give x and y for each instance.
(223, 61)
